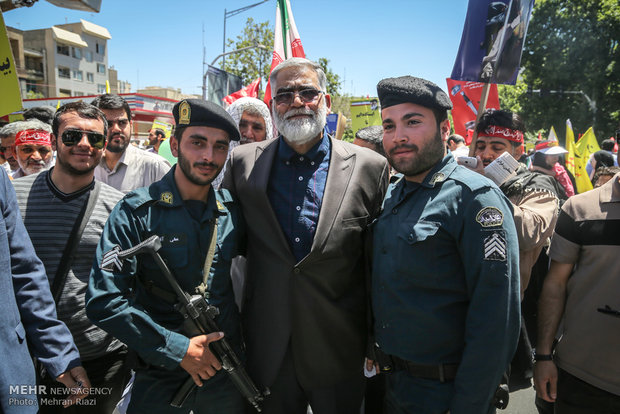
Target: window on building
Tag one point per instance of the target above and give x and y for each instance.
(78, 75)
(64, 73)
(90, 77)
(88, 55)
(78, 93)
(77, 52)
(100, 48)
(100, 88)
(100, 68)
(64, 92)
(63, 50)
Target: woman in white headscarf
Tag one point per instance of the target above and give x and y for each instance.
(252, 107)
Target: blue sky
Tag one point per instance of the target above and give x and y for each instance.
(159, 42)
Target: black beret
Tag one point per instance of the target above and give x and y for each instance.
(394, 91)
(196, 112)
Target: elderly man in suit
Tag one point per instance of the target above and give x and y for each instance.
(307, 199)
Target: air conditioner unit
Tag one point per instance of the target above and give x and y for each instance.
(86, 5)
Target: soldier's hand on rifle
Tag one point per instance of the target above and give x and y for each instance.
(199, 361)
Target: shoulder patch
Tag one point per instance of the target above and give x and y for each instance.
(490, 217)
(166, 197)
(110, 260)
(495, 247)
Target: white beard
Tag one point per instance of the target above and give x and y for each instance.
(302, 130)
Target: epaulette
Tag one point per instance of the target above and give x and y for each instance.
(138, 198)
(470, 179)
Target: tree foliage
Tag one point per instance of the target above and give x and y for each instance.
(251, 63)
(571, 46)
(333, 80)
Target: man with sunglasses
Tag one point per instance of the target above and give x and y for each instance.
(53, 204)
(123, 166)
(200, 232)
(309, 199)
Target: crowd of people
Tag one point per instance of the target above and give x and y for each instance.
(387, 275)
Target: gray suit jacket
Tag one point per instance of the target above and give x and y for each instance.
(318, 304)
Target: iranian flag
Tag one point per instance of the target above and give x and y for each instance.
(286, 42)
(251, 91)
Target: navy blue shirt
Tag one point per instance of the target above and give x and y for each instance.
(295, 190)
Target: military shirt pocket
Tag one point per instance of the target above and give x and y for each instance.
(418, 232)
(417, 249)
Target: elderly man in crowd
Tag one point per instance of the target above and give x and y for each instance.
(309, 199)
(7, 142)
(33, 148)
(254, 121)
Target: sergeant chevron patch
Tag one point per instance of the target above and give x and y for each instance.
(495, 247)
(110, 260)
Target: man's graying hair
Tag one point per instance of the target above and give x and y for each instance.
(13, 128)
(296, 63)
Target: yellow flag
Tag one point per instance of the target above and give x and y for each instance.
(107, 86)
(587, 143)
(586, 146)
(11, 100)
(570, 147)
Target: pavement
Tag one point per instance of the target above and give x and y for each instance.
(521, 402)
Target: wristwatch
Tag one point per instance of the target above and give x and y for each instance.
(542, 357)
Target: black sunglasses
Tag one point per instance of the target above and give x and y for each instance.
(72, 136)
(306, 96)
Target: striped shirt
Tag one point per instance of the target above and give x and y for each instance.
(49, 216)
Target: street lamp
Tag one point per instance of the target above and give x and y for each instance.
(221, 55)
(231, 13)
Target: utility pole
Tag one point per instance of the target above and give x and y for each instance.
(231, 13)
(221, 55)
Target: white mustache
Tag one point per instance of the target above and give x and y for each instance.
(300, 111)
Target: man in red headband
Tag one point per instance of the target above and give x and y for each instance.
(535, 203)
(33, 151)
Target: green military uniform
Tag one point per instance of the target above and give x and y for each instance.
(445, 288)
(131, 302)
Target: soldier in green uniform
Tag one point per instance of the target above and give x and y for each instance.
(132, 299)
(445, 282)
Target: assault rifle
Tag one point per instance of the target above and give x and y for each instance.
(199, 319)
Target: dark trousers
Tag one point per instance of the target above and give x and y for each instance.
(288, 397)
(578, 397)
(108, 376)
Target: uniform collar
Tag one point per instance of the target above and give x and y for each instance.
(440, 172)
(166, 192)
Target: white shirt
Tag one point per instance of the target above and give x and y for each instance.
(136, 168)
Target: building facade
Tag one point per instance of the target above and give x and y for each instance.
(61, 61)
